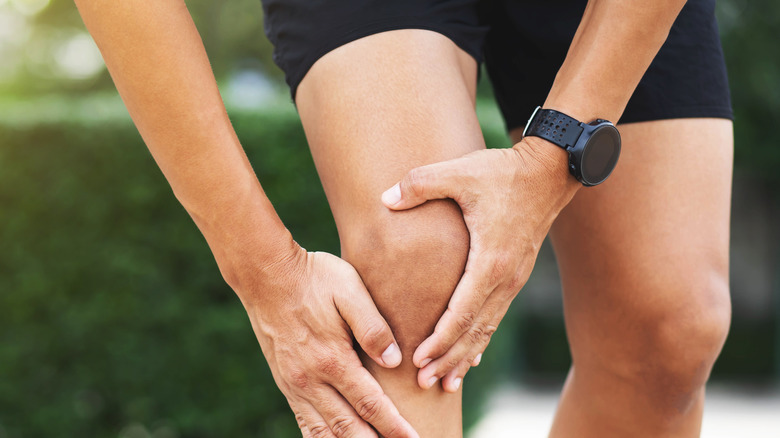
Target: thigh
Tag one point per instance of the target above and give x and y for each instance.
(379, 106)
(372, 110)
(645, 255)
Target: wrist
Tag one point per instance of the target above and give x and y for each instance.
(256, 262)
(554, 159)
(250, 243)
(255, 265)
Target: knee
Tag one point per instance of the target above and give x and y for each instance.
(682, 340)
(410, 262)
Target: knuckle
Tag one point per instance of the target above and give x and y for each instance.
(477, 333)
(372, 335)
(487, 335)
(468, 361)
(481, 333)
(416, 181)
(464, 320)
(368, 407)
(319, 430)
(488, 332)
(517, 282)
(299, 419)
(299, 379)
(343, 426)
(499, 268)
(451, 362)
(330, 366)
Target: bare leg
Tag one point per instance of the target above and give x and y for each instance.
(372, 110)
(644, 262)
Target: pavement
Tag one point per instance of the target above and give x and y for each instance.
(730, 412)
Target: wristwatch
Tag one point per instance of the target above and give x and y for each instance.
(593, 147)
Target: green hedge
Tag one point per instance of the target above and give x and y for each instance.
(113, 315)
(114, 318)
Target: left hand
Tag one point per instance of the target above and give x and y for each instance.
(509, 198)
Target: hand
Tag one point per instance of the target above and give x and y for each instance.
(509, 198)
(304, 319)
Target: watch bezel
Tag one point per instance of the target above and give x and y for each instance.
(576, 152)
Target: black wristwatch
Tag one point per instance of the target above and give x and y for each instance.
(593, 147)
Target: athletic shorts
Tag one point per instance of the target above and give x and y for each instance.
(522, 43)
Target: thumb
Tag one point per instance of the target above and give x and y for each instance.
(419, 185)
(369, 327)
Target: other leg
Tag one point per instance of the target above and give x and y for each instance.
(644, 264)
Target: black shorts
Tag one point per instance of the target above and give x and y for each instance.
(522, 42)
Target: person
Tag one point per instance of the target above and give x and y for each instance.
(438, 233)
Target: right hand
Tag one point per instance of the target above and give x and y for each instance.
(305, 316)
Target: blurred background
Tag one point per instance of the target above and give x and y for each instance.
(114, 320)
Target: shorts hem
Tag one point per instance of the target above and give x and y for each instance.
(396, 23)
(717, 112)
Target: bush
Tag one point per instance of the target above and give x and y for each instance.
(113, 315)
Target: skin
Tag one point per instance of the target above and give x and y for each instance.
(683, 322)
(410, 261)
(412, 256)
(656, 384)
(611, 50)
(304, 307)
(646, 298)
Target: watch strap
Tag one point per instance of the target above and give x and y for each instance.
(554, 126)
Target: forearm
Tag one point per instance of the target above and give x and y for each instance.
(158, 63)
(615, 43)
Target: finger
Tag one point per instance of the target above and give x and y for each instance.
(462, 355)
(452, 381)
(434, 181)
(479, 350)
(368, 326)
(475, 357)
(310, 421)
(370, 402)
(462, 311)
(300, 420)
(465, 351)
(341, 418)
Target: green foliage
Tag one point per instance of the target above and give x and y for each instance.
(112, 311)
(232, 33)
(749, 32)
(113, 314)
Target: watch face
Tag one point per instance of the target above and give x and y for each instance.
(600, 154)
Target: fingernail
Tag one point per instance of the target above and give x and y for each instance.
(392, 196)
(425, 362)
(392, 355)
(477, 360)
(456, 383)
(431, 381)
